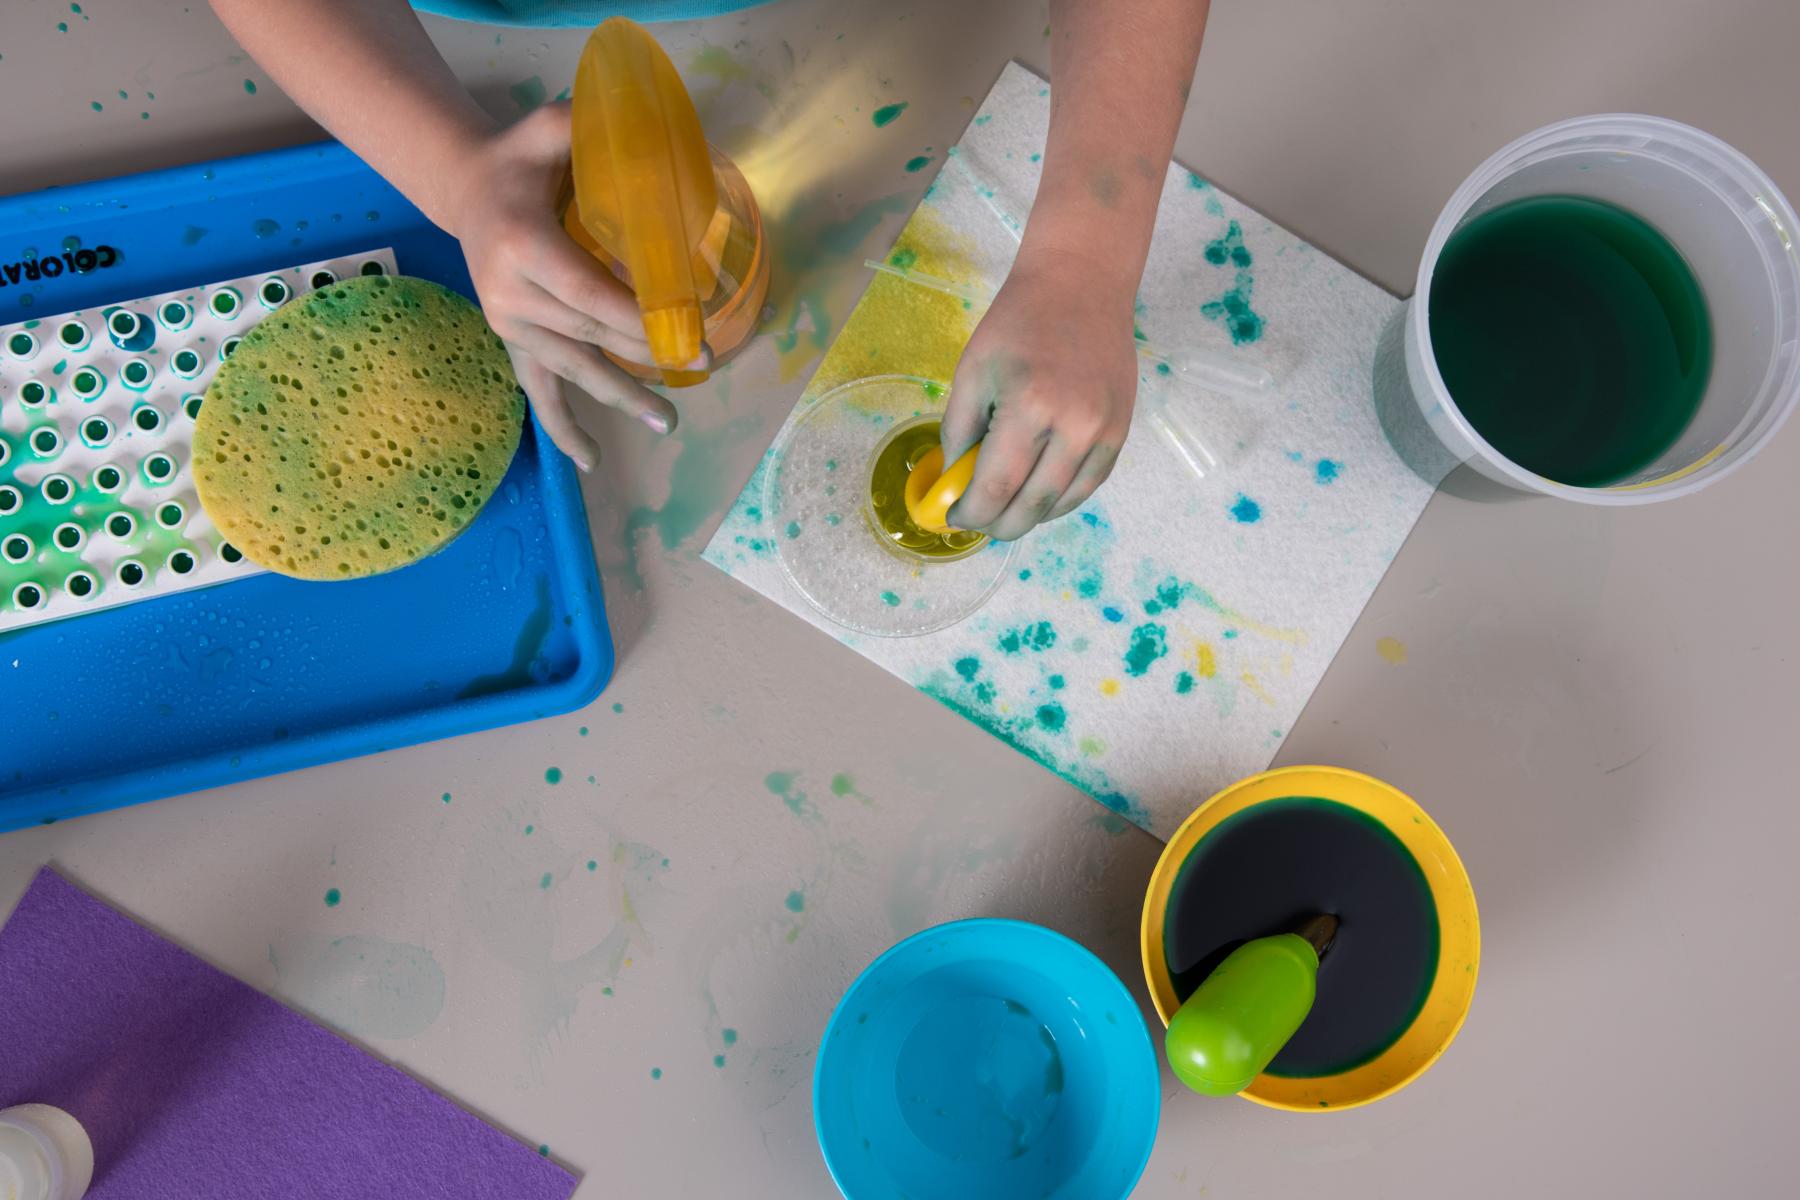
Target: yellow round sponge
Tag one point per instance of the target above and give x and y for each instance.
(357, 429)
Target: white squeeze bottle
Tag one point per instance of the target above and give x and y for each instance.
(45, 1154)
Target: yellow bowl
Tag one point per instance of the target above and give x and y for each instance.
(1459, 931)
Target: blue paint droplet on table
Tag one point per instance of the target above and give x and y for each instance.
(729, 1036)
(1184, 683)
(1246, 511)
(656, 1072)
(793, 529)
(1112, 614)
(1326, 471)
(250, 87)
(618, 708)
(446, 797)
(553, 775)
(332, 897)
(796, 902)
(718, 1060)
(1025, 574)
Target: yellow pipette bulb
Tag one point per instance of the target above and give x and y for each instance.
(645, 191)
(932, 491)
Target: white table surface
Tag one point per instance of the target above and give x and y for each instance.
(1598, 706)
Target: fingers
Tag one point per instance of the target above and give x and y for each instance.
(540, 307)
(1042, 490)
(585, 367)
(1009, 454)
(544, 389)
(1094, 470)
(965, 421)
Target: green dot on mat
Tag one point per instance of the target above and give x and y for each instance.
(130, 574)
(225, 303)
(373, 268)
(68, 537)
(146, 418)
(187, 362)
(32, 392)
(159, 466)
(322, 279)
(120, 525)
(16, 548)
(9, 499)
(107, 478)
(229, 347)
(174, 312)
(87, 382)
(230, 553)
(72, 334)
(137, 372)
(124, 323)
(45, 441)
(191, 406)
(28, 595)
(80, 584)
(274, 292)
(181, 562)
(169, 514)
(56, 489)
(96, 430)
(21, 344)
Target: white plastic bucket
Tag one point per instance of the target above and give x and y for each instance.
(1737, 232)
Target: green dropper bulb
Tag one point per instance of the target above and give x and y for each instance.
(1243, 1013)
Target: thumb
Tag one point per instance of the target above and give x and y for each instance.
(965, 418)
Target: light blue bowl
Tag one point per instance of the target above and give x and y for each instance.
(986, 1058)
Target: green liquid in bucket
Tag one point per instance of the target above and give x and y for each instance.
(1572, 335)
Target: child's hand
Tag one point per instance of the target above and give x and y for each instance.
(1046, 385)
(550, 301)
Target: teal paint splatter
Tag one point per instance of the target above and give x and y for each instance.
(1229, 248)
(796, 902)
(1184, 683)
(1021, 733)
(1198, 184)
(332, 898)
(903, 258)
(545, 881)
(793, 529)
(918, 163)
(1056, 683)
(1052, 717)
(250, 87)
(1162, 368)
(528, 93)
(62, 27)
(1246, 511)
(1112, 614)
(1039, 637)
(656, 1072)
(1326, 471)
(1025, 574)
(543, 1151)
(697, 480)
(885, 115)
(719, 1060)
(553, 775)
(891, 599)
(1233, 308)
(728, 1036)
(1037, 158)
(1149, 642)
(617, 707)
(582, 732)
(593, 865)
(1213, 207)
(95, 105)
(967, 667)
(529, 829)
(446, 797)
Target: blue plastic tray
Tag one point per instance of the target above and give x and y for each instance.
(268, 674)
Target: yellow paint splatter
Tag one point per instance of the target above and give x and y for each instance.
(1109, 687)
(1206, 664)
(1256, 688)
(1093, 747)
(1392, 650)
(897, 326)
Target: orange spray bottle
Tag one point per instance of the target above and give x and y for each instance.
(668, 214)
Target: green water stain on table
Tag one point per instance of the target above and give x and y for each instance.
(782, 784)
(796, 902)
(903, 258)
(528, 93)
(886, 114)
(332, 897)
(843, 785)
(582, 732)
(553, 775)
(617, 707)
(919, 163)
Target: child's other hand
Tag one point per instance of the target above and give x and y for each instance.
(550, 301)
(1046, 385)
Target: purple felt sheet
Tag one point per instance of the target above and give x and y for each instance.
(195, 1085)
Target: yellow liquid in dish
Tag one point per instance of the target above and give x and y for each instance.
(894, 460)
